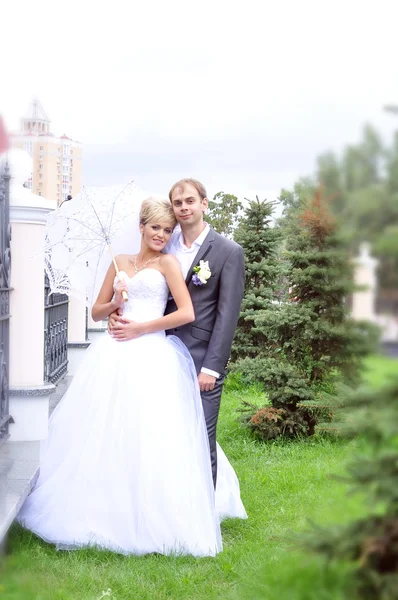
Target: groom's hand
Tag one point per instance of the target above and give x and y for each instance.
(125, 330)
(206, 382)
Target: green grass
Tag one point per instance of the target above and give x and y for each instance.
(283, 485)
(378, 369)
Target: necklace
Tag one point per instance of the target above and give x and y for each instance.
(136, 269)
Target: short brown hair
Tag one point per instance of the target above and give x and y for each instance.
(156, 209)
(199, 187)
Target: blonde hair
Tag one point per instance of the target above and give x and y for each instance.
(199, 187)
(155, 210)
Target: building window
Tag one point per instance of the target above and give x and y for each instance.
(39, 193)
(40, 166)
(41, 175)
(41, 148)
(28, 146)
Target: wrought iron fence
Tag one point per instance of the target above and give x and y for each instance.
(5, 269)
(55, 334)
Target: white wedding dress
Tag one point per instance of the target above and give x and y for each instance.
(126, 464)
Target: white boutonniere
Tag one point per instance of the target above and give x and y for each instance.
(201, 273)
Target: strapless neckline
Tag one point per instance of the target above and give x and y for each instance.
(130, 278)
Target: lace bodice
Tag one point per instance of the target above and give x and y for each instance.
(148, 294)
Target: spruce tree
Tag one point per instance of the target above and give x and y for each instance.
(324, 337)
(260, 242)
(305, 343)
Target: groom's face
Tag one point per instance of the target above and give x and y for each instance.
(188, 206)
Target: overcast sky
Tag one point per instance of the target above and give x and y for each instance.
(242, 96)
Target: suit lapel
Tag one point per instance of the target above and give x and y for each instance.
(202, 253)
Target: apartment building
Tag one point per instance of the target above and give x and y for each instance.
(56, 161)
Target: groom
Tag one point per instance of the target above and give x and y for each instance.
(216, 298)
(216, 301)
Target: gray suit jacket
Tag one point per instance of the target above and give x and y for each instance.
(216, 304)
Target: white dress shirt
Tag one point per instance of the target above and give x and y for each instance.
(186, 257)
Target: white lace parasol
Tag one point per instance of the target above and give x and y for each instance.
(79, 233)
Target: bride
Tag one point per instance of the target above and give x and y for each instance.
(126, 465)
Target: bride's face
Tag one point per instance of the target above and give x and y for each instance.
(156, 235)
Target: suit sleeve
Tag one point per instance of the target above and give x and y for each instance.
(232, 285)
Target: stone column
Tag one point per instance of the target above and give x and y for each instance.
(77, 342)
(363, 301)
(29, 395)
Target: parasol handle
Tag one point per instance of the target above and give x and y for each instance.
(124, 294)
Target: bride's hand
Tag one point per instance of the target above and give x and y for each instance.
(125, 330)
(118, 288)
